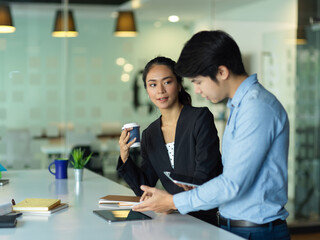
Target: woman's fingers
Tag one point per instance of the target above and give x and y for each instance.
(124, 144)
(124, 136)
(185, 187)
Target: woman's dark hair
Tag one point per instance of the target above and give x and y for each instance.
(183, 96)
(206, 51)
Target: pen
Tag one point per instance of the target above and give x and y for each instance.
(16, 214)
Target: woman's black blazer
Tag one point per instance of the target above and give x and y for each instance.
(196, 152)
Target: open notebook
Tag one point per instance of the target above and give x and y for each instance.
(120, 200)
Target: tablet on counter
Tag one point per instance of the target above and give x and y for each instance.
(121, 215)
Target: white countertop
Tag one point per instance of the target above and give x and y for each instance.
(78, 221)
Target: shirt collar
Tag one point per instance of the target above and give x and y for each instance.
(242, 90)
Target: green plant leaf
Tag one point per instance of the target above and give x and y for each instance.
(78, 159)
(87, 159)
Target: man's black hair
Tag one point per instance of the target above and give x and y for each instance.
(206, 51)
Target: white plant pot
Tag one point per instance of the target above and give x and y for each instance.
(78, 174)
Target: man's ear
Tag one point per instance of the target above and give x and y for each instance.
(223, 72)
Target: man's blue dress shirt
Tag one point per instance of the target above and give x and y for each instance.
(254, 182)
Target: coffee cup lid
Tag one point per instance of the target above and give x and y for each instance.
(130, 125)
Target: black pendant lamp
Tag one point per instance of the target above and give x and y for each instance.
(6, 23)
(60, 30)
(125, 25)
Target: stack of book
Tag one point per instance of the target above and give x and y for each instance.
(39, 206)
(118, 201)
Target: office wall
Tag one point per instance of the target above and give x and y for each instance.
(33, 90)
(52, 86)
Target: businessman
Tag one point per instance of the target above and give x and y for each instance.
(252, 190)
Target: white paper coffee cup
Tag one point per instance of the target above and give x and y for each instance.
(134, 133)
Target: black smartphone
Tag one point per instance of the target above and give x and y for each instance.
(3, 181)
(8, 221)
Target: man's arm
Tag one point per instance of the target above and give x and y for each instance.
(160, 202)
(246, 154)
(249, 140)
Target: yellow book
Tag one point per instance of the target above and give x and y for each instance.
(36, 204)
(46, 213)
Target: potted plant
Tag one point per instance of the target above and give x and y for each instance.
(78, 162)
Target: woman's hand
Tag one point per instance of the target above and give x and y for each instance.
(185, 187)
(124, 144)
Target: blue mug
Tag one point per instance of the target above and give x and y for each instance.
(61, 166)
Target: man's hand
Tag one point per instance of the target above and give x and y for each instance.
(160, 201)
(145, 196)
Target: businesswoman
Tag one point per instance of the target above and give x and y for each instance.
(183, 139)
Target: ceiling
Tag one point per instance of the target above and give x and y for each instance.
(99, 2)
(147, 10)
(187, 10)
